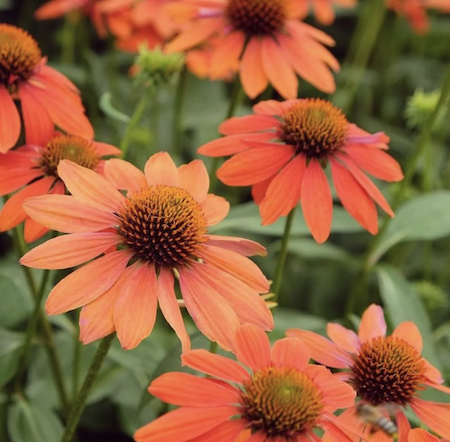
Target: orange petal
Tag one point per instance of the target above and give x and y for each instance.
(242, 246)
(160, 169)
(33, 231)
(322, 350)
(372, 323)
(269, 107)
(215, 209)
(212, 314)
(317, 203)
(9, 121)
(237, 265)
(409, 332)
(252, 347)
(419, 435)
(105, 149)
(283, 193)
(39, 127)
(253, 77)
(335, 432)
(187, 390)
(403, 426)
(226, 432)
(278, 70)
(215, 365)
(354, 198)
(170, 308)
(66, 214)
(87, 283)
(256, 437)
(136, 305)
(300, 28)
(290, 352)
(259, 190)
(432, 373)
(124, 175)
(255, 165)
(226, 54)
(345, 338)
(248, 124)
(13, 179)
(195, 179)
(434, 415)
(90, 187)
(70, 250)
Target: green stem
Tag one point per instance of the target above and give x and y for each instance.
(422, 142)
(68, 39)
(237, 95)
(178, 112)
(361, 47)
(80, 402)
(135, 118)
(76, 362)
(282, 256)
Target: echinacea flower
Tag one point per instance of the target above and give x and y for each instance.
(46, 96)
(323, 9)
(282, 152)
(385, 371)
(278, 396)
(157, 231)
(34, 170)
(266, 37)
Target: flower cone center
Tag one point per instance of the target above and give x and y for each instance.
(257, 17)
(163, 225)
(281, 402)
(19, 56)
(387, 370)
(68, 147)
(314, 127)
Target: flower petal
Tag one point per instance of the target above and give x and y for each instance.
(409, 332)
(124, 175)
(226, 432)
(226, 54)
(9, 121)
(33, 231)
(434, 415)
(242, 246)
(372, 323)
(253, 77)
(215, 365)
(345, 338)
(160, 169)
(290, 352)
(215, 209)
(249, 123)
(420, 435)
(195, 179)
(252, 347)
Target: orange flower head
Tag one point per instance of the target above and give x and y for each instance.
(277, 397)
(281, 152)
(387, 372)
(32, 170)
(264, 39)
(134, 246)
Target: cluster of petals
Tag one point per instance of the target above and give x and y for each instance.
(47, 98)
(120, 290)
(22, 170)
(216, 408)
(281, 175)
(343, 351)
(265, 52)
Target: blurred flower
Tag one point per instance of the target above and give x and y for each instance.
(34, 170)
(159, 229)
(59, 8)
(46, 96)
(282, 152)
(385, 371)
(265, 37)
(282, 399)
(421, 106)
(323, 9)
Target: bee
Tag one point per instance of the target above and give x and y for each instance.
(372, 416)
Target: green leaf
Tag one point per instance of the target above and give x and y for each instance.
(10, 347)
(309, 249)
(29, 422)
(404, 304)
(286, 318)
(424, 218)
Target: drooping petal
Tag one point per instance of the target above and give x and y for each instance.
(187, 390)
(215, 365)
(409, 332)
(195, 179)
(183, 424)
(403, 427)
(252, 347)
(242, 246)
(124, 175)
(105, 149)
(9, 121)
(290, 352)
(226, 54)
(372, 323)
(89, 187)
(170, 308)
(87, 283)
(66, 214)
(136, 305)
(432, 373)
(160, 169)
(259, 190)
(317, 203)
(253, 77)
(215, 209)
(434, 415)
(322, 350)
(345, 338)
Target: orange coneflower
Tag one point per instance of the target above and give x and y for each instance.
(279, 397)
(46, 96)
(282, 152)
(34, 170)
(385, 371)
(323, 9)
(160, 230)
(266, 36)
